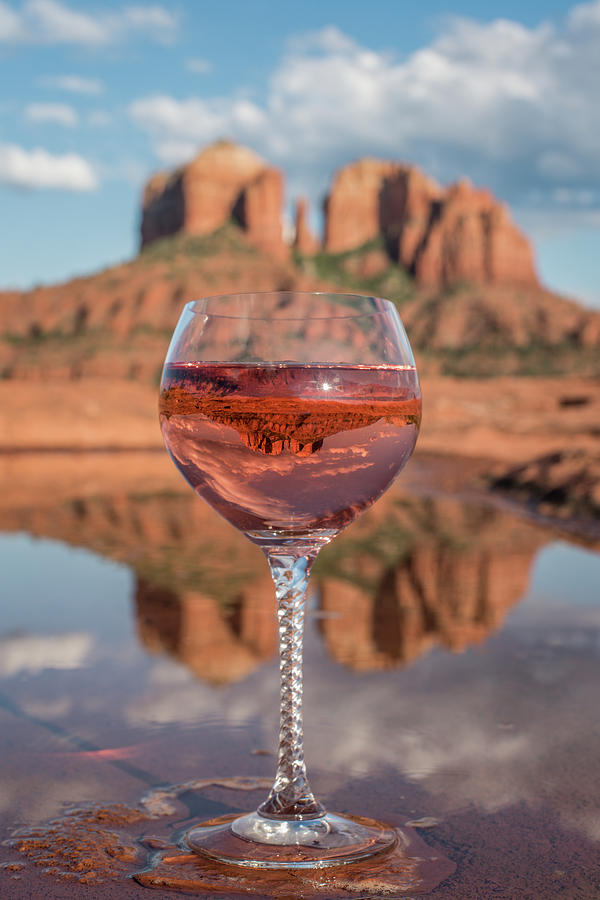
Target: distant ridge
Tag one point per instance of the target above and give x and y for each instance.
(440, 236)
(469, 310)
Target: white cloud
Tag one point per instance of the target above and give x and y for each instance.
(58, 23)
(10, 24)
(99, 118)
(154, 19)
(329, 39)
(39, 169)
(176, 152)
(514, 107)
(180, 126)
(58, 113)
(585, 16)
(559, 219)
(558, 165)
(75, 84)
(53, 22)
(199, 66)
(581, 198)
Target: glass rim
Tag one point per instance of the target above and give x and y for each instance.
(196, 307)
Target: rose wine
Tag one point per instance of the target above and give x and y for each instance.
(285, 449)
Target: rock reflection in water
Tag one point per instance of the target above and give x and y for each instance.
(458, 571)
(411, 574)
(218, 645)
(461, 569)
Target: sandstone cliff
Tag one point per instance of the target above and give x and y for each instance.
(117, 323)
(441, 236)
(224, 181)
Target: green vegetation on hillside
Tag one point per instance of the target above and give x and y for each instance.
(534, 360)
(346, 270)
(118, 322)
(229, 238)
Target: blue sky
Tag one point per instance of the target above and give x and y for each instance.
(96, 96)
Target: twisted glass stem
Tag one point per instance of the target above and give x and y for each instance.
(291, 796)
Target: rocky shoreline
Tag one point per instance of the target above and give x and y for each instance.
(563, 486)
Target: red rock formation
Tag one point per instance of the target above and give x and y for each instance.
(259, 212)
(565, 484)
(352, 208)
(440, 236)
(304, 241)
(406, 201)
(113, 324)
(224, 180)
(509, 255)
(472, 239)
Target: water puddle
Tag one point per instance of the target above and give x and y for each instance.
(100, 844)
(451, 683)
(411, 867)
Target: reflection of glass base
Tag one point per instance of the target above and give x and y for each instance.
(254, 840)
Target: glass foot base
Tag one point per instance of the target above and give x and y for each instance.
(254, 840)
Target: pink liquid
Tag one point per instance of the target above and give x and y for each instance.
(285, 448)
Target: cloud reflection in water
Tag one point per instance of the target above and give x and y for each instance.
(506, 722)
(34, 653)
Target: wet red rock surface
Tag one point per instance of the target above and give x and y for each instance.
(451, 683)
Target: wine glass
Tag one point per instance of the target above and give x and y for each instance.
(290, 413)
